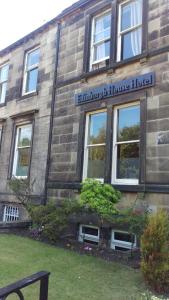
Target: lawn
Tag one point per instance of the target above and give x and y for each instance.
(73, 276)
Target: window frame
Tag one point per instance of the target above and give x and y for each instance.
(15, 154)
(27, 70)
(115, 180)
(120, 33)
(90, 237)
(5, 81)
(86, 146)
(120, 243)
(92, 44)
(113, 62)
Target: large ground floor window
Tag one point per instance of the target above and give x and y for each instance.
(95, 145)
(22, 151)
(126, 139)
(125, 144)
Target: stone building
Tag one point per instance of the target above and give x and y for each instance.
(27, 70)
(111, 112)
(99, 107)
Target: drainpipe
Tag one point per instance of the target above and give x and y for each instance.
(52, 110)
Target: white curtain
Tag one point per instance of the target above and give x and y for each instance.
(136, 19)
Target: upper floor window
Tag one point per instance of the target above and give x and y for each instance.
(22, 151)
(3, 82)
(128, 35)
(95, 145)
(129, 29)
(31, 71)
(100, 40)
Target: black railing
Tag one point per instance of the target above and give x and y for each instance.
(16, 287)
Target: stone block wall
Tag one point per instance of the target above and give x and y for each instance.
(16, 104)
(68, 125)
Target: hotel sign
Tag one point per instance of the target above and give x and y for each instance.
(115, 89)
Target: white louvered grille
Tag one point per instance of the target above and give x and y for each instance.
(11, 213)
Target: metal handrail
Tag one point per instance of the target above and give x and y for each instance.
(15, 288)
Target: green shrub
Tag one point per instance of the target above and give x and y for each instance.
(53, 219)
(99, 198)
(155, 252)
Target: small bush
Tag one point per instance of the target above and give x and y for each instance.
(155, 252)
(99, 198)
(53, 220)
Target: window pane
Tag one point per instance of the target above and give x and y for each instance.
(128, 161)
(3, 87)
(131, 14)
(33, 58)
(131, 43)
(97, 128)
(31, 83)
(90, 230)
(124, 236)
(4, 73)
(103, 35)
(101, 51)
(102, 28)
(25, 135)
(96, 162)
(23, 162)
(128, 127)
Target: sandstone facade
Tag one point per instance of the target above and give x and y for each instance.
(74, 76)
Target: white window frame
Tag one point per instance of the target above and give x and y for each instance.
(121, 33)
(86, 146)
(15, 156)
(93, 44)
(115, 143)
(88, 237)
(5, 81)
(27, 70)
(10, 212)
(120, 243)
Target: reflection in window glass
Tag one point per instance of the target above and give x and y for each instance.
(32, 80)
(131, 43)
(24, 138)
(94, 155)
(101, 50)
(128, 161)
(97, 128)
(96, 162)
(31, 71)
(130, 29)
(3, 82)
(126, 143)
(131, 14)
(124, 236)
(128, 127)
(22, 151)
(33, 58)
(23, 161)
(100, 42)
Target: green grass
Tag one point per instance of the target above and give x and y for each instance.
(73, 276)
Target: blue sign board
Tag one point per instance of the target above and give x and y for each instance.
(117, 88)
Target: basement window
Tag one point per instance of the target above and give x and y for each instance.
(122, 240)
(89, 234)
(11, 213)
